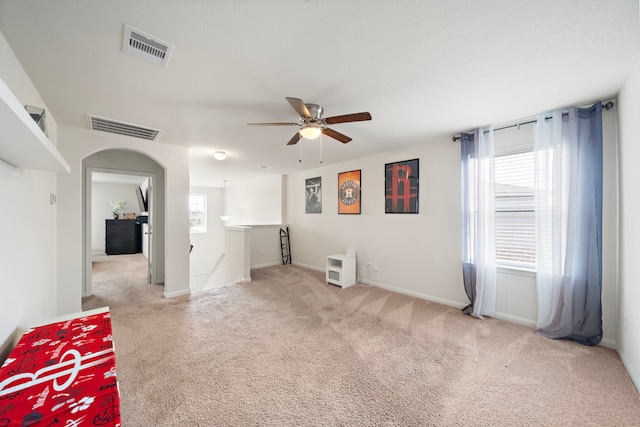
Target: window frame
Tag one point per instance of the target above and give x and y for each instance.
(203, 228)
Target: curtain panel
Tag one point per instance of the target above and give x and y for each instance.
(568, 205)
(478, 222)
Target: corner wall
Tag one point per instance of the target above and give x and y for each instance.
(629, 244)
(420, 254)
(27, 294)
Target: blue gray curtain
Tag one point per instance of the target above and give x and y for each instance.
(568, 156)
(468, 153)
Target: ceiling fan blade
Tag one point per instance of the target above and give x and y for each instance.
(298, 105)
(295, 139)
(356, 117)
(336, 135)
(273, 124)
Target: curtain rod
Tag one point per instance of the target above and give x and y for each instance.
(607, 106)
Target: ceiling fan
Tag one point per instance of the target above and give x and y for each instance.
(312, 124)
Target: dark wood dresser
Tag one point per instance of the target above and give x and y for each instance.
(122, 236)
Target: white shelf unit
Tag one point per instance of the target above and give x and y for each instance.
(341, 270)
(24, 145)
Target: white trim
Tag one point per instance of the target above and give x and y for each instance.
(310, 267)
(632, 373)
(516, 271)
(268, 264)
(516, 319)
(177, 293)
(414, 294)
(245, 279)
(609, 343)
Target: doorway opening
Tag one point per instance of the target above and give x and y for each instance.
(124, 257)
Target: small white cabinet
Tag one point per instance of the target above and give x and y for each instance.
(341, 270)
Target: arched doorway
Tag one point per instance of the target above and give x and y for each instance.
(130, 163)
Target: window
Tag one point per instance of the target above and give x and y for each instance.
(515, 214)
(198, 213)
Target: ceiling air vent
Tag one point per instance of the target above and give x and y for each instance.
(145, 46)
(123, 128)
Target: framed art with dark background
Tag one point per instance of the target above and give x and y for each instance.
(401, 182)
(313, 195)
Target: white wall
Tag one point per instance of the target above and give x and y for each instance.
(255, 202)
(265, 245)
(207, 247)
(416, 254)
(629, 245)
(101, 194)
(28, 244)
(76, 144)
(420, 254)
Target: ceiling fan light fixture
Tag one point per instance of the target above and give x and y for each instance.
(310, 131)
(220, 155)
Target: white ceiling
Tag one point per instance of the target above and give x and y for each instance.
(424, 69)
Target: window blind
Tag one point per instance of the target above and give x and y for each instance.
(515, 216)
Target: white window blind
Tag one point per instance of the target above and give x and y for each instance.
(515, 216)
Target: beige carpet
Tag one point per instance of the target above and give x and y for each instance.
(289, 350)
(119, 280)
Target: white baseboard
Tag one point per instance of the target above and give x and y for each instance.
(268, 264)
(177, 293)
(310, 267)
(420, 295)
(609, 343)
(632, 372)
(516, 319)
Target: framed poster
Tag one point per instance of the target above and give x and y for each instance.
(401, 181)
(349, 192)
(313, 195)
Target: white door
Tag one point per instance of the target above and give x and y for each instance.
(149, 236)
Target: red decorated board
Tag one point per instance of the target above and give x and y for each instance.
(62, 374)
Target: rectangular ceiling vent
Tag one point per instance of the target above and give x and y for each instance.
(145, 46)
(123, 128)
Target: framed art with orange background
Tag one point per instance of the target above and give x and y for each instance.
(349, 192)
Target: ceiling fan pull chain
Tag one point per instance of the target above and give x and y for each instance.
(300, 156)
(321, 148)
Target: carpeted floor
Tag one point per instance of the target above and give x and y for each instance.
(119, 280)
(289, 350)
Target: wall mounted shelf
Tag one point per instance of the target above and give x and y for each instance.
(22, 143)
